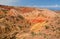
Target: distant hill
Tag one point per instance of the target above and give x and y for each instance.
(29, 23)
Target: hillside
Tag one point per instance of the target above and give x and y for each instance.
(28, 23)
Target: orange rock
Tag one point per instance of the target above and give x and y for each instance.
(12, 12)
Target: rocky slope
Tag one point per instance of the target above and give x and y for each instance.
(28, 23)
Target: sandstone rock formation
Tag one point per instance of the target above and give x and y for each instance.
(28, 23)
